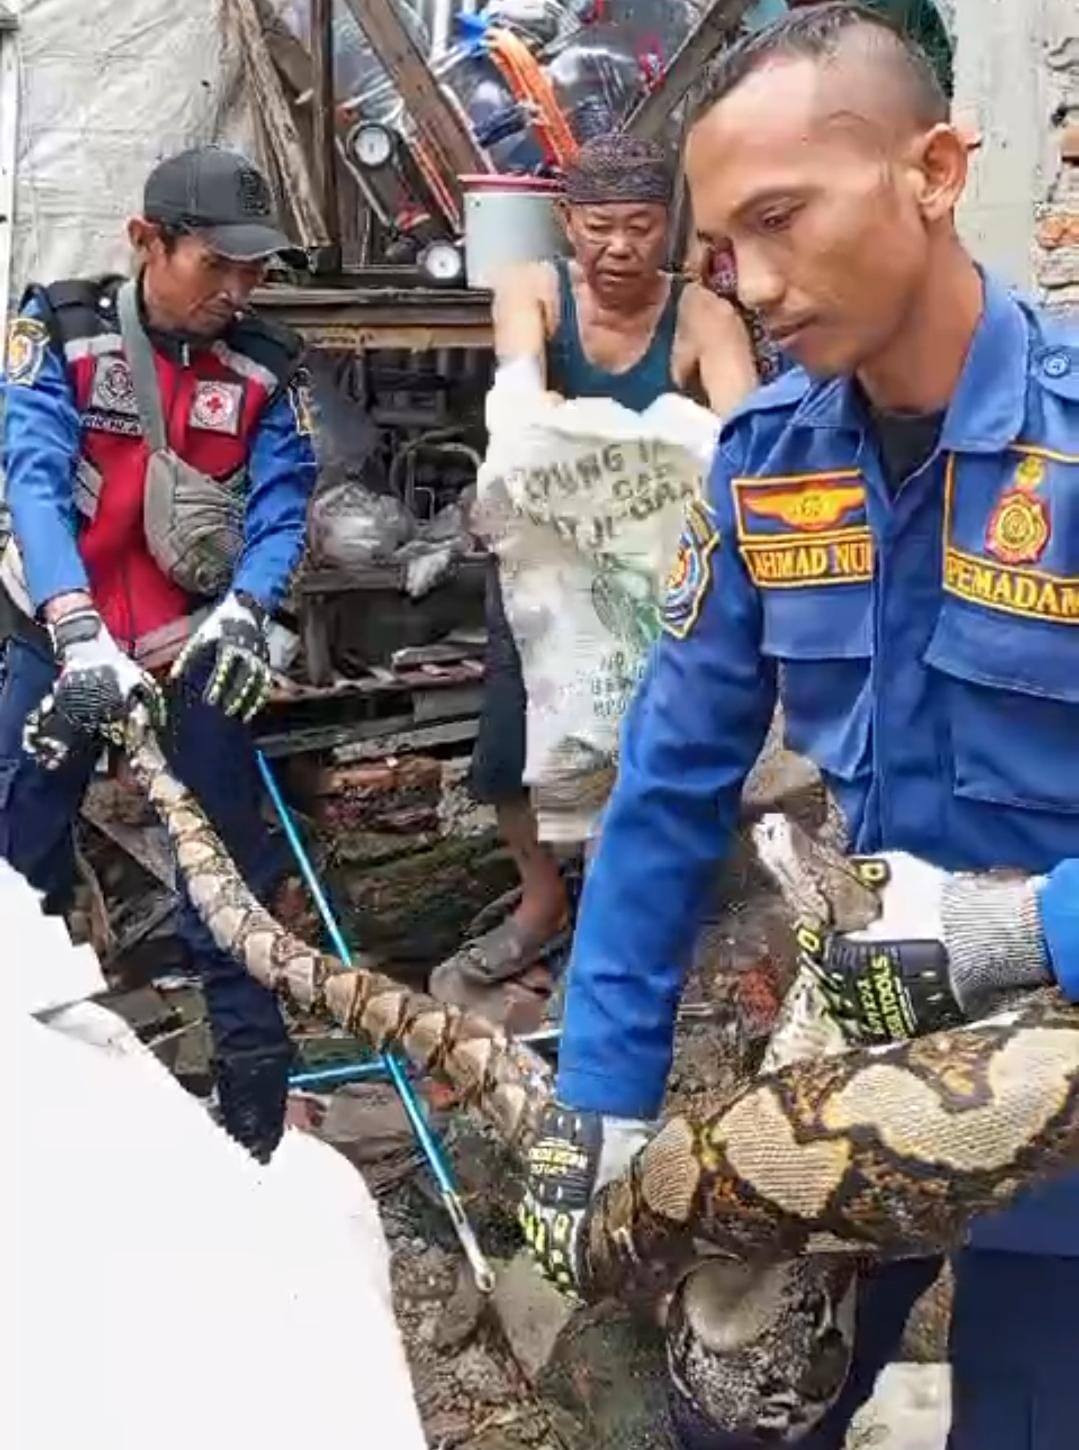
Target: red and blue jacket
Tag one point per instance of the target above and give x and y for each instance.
(237, 403)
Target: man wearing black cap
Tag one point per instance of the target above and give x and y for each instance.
(158, 459)
(609, 323)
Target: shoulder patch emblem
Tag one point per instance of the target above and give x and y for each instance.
(690, 578)
(27, 340)
(299, 396)
(216, 407)
(1019, 528)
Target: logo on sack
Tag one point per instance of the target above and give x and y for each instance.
(216, 407)
(1019, 528)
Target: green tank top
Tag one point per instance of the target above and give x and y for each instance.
(570, 372)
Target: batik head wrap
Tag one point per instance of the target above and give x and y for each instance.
(620, 168)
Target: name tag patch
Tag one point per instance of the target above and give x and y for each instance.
(799, 531)
(796, 565)
(217, 407)
(98, 421)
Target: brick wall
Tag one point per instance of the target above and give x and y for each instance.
(1017, 79)
(1056, 233)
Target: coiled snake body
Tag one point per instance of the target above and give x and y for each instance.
(871, 1152)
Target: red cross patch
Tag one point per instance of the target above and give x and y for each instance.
(217, 407)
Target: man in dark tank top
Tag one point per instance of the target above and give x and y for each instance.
(609, 322)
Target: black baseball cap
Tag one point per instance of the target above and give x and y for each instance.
(220, 195)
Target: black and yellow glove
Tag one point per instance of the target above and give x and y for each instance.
(574, 1155)
(234, 638)
(947, 947)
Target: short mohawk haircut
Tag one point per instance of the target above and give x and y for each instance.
(818, 33)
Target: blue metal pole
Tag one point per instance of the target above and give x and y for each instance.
(429, 1144)
(326, 1077)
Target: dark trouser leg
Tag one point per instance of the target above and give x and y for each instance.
(215, 758)
(1014, 1350)
(885, 1299)
(37, 807)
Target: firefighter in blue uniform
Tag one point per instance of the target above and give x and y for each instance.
(889, 544)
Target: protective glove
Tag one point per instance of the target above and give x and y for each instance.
(945, 948)
(574, 1155)
(235, 632)
(93, 693)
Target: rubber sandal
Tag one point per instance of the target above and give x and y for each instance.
(504, 952)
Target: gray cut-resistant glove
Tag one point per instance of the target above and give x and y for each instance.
(235, 633)
(93, 693)
(947, 947)
(574, 1155)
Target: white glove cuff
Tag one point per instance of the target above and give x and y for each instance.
(993, 935)
(622, 1138)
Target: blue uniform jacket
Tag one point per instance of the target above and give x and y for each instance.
(926, 650)
(41, 436)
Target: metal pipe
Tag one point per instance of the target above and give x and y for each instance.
(441, 27)
(429, 1144)
(317, 1078)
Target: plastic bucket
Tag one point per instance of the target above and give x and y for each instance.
(509, 220)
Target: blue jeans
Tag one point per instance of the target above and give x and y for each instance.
(215, 758)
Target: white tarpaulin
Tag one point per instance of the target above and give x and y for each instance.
(106, 90)
(165, 1290)
(583, 502)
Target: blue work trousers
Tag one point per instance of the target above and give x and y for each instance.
(215, 758)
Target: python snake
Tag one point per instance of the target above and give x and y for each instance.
(880, 1152)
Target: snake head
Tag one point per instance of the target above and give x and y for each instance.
(137, 726)
(783, 849)
(821, 887)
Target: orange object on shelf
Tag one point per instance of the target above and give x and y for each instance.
(532, 88)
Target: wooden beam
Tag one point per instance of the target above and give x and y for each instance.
(442, 125)
(717, 26)
(287, 51)
(324, 111)
(357, 319)
(275, 121)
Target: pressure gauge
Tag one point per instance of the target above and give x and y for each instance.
(372, 145)
(443, 262)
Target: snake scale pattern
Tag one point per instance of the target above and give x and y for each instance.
(502, 1080)
(874, 1152)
